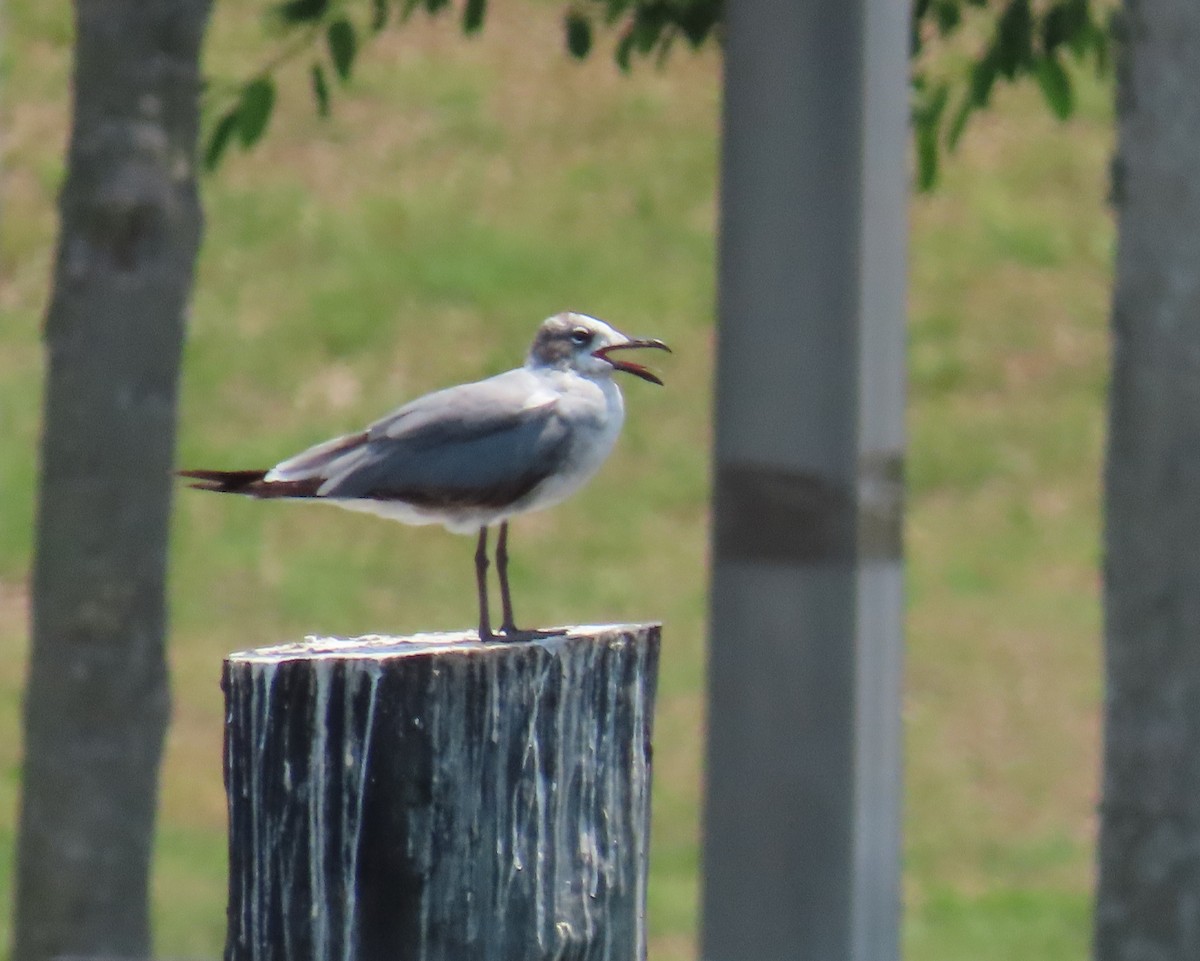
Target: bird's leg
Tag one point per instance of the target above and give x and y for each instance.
(481, 566)
(509, 628)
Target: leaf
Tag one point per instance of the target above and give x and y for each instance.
(664, 48)
(983, 76)
(927, 152)
(1056, 86)
(615, 9)
(379, 15)
(926, 119)
(1058, 26)
(473, 15)
(931, 103)
(343, 45)
(302, 11)
(698, 20)
(624, 50)
(958, 123)
(948, 16)
(320, 89)
(1013, 46)
(648, 25)
(221, 136)
(1092, 37)
(579, 34)
(254, 110)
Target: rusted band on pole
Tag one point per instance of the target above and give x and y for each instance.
(775, 515)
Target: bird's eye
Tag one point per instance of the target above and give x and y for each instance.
(581, 336)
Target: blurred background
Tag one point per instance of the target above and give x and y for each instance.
(462, 190)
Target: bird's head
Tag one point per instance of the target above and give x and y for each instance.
(585, 344)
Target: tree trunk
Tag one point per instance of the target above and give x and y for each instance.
(96, 703)
(1148, 904)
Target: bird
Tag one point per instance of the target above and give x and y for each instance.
(474, 455)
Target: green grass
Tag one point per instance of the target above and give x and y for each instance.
(1030, 922)
(463, 190)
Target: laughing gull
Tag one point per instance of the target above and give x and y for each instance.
(473, 455)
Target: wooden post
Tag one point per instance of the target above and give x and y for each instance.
(435, 798)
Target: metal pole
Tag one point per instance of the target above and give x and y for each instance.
(802, 824)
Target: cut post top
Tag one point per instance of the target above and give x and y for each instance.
(376, 647)
(438, 798)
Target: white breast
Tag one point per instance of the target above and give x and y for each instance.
(596, 410)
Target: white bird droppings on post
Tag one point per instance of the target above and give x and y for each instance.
(433, 798)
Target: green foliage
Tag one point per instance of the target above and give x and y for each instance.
(247, 118)
(218, 140)
(1056, 86)
(473, 14)
(320, 87)
(649, 27)
(929, 103)
(579, 34)
(379, 15)
(343, 46)
(302, 11)
(643, 28)
(254, 110)
(1024, 39)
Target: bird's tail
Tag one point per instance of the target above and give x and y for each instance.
(249, 482)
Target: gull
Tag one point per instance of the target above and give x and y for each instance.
(473, 455)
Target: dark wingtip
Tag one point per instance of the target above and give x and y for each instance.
(252, 483)
(223, 481)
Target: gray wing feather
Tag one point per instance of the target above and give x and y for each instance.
(482, 444)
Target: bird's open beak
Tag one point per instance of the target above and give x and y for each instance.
(628, 366)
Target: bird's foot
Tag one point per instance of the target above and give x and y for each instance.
(510, 633)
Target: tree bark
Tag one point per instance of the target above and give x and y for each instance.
(1148, 902)
(96, 703)
(439, 799)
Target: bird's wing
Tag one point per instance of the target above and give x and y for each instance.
(480, 444)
